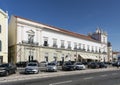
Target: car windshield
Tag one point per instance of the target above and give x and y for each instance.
(68, 63)
(32, 64)
(51, 63)
(78, 63)
(4, 65)
(43, 62)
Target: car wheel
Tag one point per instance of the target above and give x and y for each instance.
(14, 71)
(7, 73)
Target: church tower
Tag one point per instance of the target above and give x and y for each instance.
(100, 35)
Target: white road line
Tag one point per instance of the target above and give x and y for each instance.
(114, 73)
(63, 82)
(103, 75)
(88, 78)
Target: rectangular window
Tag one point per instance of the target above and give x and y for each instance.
(83, 46)
(75, 45)
(62, 44)
(0, 28)
(80, 46)
(92, 48)
(99, 50)
(30, 39)
(96, 49)
(54, 42)
(69, 45)
(45, 41)
(46, 56)
(0, 45)
(55, 56)
(88, 48)
(1, 59)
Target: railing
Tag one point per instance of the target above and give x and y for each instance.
(55, 46)
(68, 47)
(30, 43)
(62, 46)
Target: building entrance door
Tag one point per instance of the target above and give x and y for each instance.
(30, 58)
(46, 58)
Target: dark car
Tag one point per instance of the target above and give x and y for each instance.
(115, 63)
(68, 66)
(21, 64)
(102, 65)
(93, 65)
(35, 61)
(7, 68)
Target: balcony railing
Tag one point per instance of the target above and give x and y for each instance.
(69, 47)
(104, 52)
(62, 46)
(55, 46)
(46, 45)
(30, 43)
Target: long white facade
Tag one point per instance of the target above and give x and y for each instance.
(31, 40)
(3, 37)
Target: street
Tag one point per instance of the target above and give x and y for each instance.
(97, 78)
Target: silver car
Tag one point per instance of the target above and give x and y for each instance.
(79, 66)
(32, 67)
(51, 67)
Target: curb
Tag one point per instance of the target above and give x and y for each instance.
(54, 74)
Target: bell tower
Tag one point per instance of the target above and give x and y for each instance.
(100, 35)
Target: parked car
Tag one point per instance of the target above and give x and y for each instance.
(32, 67)
(43, 63)
(102, 65)
(93, 65)
(7, 69)
(51, 67)
(68, 66)
(79, 66)
(116, 63)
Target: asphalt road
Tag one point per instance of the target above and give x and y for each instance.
(99, 78)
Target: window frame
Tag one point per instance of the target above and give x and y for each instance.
(0, 45)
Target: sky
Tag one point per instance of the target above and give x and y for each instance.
(80, 16)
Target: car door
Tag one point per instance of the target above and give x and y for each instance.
(11, 68)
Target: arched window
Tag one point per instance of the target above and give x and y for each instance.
(0, 45)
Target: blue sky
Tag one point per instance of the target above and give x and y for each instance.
(81, 16)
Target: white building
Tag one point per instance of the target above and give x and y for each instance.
(3, 37)
(116, 56)
(110, 53)
(29, 40)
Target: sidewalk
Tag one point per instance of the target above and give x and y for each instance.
(18, 77)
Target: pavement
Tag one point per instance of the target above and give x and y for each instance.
(19, 77)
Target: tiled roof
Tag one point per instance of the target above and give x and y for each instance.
(116, 52)
(64, 31)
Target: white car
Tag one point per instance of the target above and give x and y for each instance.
(79, 66)
(32, 67)
(43, 63)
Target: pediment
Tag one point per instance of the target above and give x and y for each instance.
(30, 32)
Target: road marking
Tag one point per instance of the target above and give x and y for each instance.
(103, 75)
(63, 82)
(88, 78)
(114, 73)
